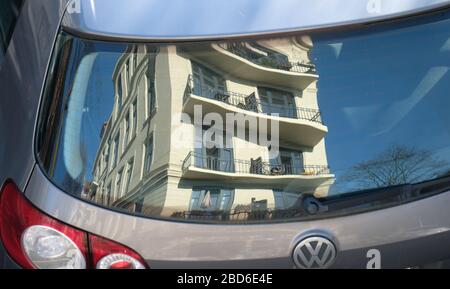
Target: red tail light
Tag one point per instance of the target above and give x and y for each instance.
(36, 240)
(110, 255)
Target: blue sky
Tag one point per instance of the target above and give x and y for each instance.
(99, 100)
(383, 88)
(100, 97)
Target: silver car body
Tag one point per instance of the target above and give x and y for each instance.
(167, 244)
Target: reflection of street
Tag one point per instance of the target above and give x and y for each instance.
(141, 167)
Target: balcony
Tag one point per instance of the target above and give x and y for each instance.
(306, 123)
(203, 167)
(241, 216)
(274, 62)
(235, 60)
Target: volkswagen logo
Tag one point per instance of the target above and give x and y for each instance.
(314, 253)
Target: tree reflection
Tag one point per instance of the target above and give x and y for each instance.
(396, 165)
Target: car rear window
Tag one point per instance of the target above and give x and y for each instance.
(251, 130)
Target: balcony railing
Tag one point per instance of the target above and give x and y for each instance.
(250, 103)
(252, 166)
(274, 60)
(236, 216)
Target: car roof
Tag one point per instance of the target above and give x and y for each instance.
(181, 19)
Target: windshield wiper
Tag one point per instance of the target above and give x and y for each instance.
(375, 198)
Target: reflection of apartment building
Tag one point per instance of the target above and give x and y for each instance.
(142, 166)
(125, 155)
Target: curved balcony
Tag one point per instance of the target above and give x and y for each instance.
(234, 60)
(298, 126)
(241, 215)
(203, 167)
(277, 61)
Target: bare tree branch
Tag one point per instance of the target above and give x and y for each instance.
(395, 166)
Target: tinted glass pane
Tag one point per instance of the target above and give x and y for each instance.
(251, 131)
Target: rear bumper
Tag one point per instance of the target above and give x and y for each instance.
(408, 235)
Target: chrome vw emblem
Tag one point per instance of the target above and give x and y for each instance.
(314, 253)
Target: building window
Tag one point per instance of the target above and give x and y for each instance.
(212, 157)
(118, 189)
(211, 199)
(151, 96)
(151, 90)
(135, 116)
(279, 102)
(135, 56)
(148, 154)
(291, 161)
(102, 162)
(126, 137)
(207, 83)
(115, 152)
(128, 175)
(106, 154)
(108, 194)
(286, 200)
(128, 75)
(139, 205)
(270, 58)
(119, 94)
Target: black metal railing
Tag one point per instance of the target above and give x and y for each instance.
(252, 166)
(250, 102)
(236, 216)
(247, 102)
(273, 60)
